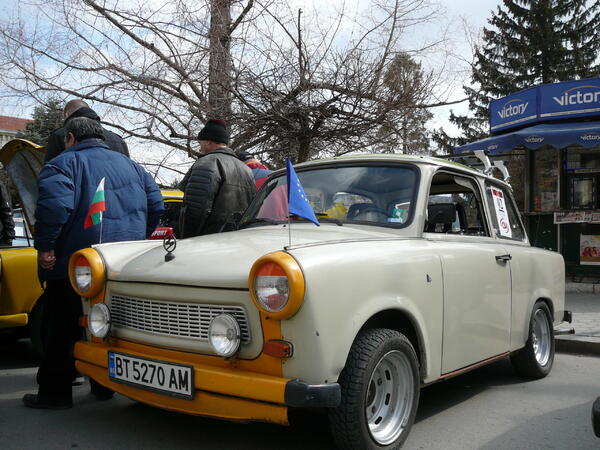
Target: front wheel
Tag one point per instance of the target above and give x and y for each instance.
(380, 392)
(536, 358)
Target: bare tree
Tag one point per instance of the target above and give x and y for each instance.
(290, 83)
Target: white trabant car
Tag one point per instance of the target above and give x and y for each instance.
(420, 270)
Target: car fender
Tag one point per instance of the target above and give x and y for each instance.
(399, 276)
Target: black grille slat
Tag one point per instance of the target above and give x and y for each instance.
(189, 320)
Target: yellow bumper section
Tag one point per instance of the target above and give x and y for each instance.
(13, 320)
(220, 392)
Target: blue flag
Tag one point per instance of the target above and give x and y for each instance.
(297, 200)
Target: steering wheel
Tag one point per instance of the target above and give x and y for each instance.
(370, 213)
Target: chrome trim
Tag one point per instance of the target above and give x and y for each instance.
(176, 319)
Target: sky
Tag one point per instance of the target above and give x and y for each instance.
(476, 14)
(472, 12)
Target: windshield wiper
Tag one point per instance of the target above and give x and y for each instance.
(324, 217)
(332, 220)
(256, 220)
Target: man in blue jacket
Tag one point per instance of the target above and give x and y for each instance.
(67, 186)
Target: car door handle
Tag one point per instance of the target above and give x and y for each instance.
(503, 258)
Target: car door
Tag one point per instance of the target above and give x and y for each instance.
(506, 225)
(476, 275)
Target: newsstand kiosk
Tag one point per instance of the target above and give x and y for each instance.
(549, 138)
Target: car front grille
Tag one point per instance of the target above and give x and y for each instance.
(189, 320)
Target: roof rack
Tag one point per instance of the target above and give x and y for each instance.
(479, 160)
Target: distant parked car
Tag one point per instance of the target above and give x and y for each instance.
(421, 270)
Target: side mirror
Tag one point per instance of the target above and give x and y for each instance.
(596, 417)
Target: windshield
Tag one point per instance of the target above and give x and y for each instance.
(378, 195)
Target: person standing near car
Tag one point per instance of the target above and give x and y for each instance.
(78, 108)
(87, 195)
(259, 170)
(217, 187)
(7, 223)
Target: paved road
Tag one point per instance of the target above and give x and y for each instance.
(486, 409)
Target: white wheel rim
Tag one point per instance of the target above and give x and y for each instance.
(541, 337)
(390, 397)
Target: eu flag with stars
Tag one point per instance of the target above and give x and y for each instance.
(297, 200)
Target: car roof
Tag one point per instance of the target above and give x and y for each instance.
(387, 158)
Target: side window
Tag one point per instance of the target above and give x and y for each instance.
(170, 217)
(505, 219)
(455, 206)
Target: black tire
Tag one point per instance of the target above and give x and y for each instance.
(11, 335)
(100, 392)
(527, 362)
(35, 329)
(349, 421)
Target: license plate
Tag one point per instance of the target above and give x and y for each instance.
(172, 379)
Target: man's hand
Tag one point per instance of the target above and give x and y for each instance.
(47, 259)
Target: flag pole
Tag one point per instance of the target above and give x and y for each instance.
(101, 223)
(289, 230)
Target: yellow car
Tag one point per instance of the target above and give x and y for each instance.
(20, 311)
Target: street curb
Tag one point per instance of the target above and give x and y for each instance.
(578, 345)
(590, 288)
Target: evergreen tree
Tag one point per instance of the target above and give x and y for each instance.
(46, 118)
(405, 131)
(529, 42)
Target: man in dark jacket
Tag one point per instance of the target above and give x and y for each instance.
(217, 186)
(79, 108)
(84, 174)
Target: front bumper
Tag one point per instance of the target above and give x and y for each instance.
(221, 389)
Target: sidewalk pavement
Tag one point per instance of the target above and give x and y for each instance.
(584, 303)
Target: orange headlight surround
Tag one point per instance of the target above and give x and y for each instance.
(91, 258)
(280, 263)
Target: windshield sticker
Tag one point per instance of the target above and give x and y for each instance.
(399, 213)
(501, 214)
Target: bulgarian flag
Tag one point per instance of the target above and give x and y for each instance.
(94, 215)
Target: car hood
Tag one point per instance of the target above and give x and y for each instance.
(221, 260)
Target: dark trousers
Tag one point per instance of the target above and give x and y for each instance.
(62, 309)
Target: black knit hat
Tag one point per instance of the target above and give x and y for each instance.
(215, 131)
(244, 156)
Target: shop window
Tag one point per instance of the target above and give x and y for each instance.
(545, 179)
(582, 168)
(582, 160)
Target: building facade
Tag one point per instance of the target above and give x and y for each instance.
(9, 127)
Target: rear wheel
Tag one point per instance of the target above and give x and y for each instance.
(536, 358)
(380, 392)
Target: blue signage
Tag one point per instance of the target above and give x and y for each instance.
(515, 110)
(570, 99)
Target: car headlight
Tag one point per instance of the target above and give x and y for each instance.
(99, 320)
(224, 335)
(277, 285)
(86, 272)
